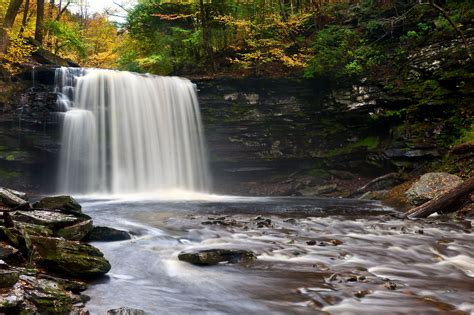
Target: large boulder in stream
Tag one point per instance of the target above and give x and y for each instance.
(107, 234)
(70, 257)
(65, 203)
(125, 311)
(431, 186)
(206, 257)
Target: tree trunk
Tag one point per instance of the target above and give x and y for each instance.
(448, 202)
(206, 35)
(12, 12)
(39, 21)
(24, 21)
(61, 10)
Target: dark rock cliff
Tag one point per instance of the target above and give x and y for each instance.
(279, 136)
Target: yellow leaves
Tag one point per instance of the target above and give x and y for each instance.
(18, 50)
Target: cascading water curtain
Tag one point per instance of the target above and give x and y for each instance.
(129, 133)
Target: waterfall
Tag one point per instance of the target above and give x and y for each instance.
(129, 133)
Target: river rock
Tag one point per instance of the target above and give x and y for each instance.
(205, 257)
(65, 203)
(7, 250)
(125, 311)
(430, 186)
(76, 232)
(11, 299)
(107, 234)
(10, 198)
(48, 296)
(8, 278)
(70, 285)
(70, 257)
(35, 229)
(50, 219)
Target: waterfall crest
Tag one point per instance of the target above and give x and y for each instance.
(129, 133)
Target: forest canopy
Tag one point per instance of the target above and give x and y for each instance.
(256, 37)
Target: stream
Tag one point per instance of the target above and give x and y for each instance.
(314, 256)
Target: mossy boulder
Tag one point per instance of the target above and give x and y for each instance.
(48, 296)
(76, 232)
(206, 257)
(65, 203)
(8, 278)
(430, 186)
(50, 219)
(70, 257)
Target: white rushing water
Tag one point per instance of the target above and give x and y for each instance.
(126, 133)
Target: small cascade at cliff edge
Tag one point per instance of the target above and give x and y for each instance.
(127, 133)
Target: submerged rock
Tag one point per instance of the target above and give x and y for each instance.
(71, 258)
(65, 203)
(430, 186)
(107, 234)
(125, 311)
(205, 257)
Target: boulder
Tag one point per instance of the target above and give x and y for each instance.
(11, 300)
(70, 285)
(205, 257)
(107, 234)
(7, 250)
(125, 311)
(35, 229)
(430, 186)
(76, 232)
(70, 257)
(10, 198)
(50, 219)
(8, 278)
(65, 203)
(48, 296)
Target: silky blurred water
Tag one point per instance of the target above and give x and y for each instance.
(429, 263)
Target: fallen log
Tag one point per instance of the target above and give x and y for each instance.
(454, 198)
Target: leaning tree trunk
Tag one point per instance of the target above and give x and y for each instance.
(12, 12)
(447, 202)
(39, 21)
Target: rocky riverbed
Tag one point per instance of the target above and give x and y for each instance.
(234, 255)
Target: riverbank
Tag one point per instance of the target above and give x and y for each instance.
(46, 264)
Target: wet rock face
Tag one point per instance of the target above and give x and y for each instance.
(207, 257)
(430, 186)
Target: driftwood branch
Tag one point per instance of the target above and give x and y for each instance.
(451, 199)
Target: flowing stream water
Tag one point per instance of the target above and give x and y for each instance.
(314, 256)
